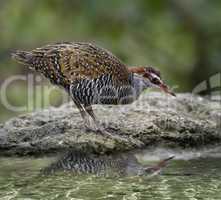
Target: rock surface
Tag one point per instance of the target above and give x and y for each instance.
(155, 119)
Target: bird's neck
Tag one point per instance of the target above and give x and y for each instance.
(139, 83)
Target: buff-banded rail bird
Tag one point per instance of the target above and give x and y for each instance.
(91, 75)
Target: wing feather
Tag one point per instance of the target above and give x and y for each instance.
(78, 61)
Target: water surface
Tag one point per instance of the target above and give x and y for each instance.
(192, 175)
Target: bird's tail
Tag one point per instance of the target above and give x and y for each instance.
(22, 57)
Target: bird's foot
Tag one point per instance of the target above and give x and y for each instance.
(87, 125)
(102, 129)
(93, 126)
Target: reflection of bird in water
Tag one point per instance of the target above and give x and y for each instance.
(156, 169)
(91, 75)
(124, 164)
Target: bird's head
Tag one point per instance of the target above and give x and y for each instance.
(153, 76)
(157, 168)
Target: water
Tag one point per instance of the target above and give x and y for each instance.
(192, 175)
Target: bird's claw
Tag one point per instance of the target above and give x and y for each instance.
(95, 127)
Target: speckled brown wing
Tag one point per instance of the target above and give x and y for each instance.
(85, 61)
(46, 60)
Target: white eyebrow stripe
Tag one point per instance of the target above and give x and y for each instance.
(155, 76)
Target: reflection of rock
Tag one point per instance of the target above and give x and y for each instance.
(154, 119)
(123, 164)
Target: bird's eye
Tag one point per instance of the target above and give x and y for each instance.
(155, 81)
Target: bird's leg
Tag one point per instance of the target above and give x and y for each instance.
(102, 130)
(90, 111)
(83, 114)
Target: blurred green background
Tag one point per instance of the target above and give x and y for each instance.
(181, 37)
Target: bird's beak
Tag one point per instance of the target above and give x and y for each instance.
(166, 89)
(170, 158)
